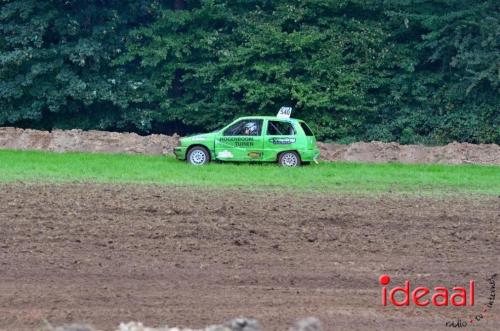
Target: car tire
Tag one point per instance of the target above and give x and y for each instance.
(289, 159)
(198, 156)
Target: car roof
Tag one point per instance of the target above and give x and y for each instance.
(267, 118)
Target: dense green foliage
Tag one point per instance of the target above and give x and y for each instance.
(411, 71)
(353, 178)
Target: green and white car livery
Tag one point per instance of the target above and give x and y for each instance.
(282, 139)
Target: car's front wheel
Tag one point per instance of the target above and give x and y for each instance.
(289, 159)
(198, 156)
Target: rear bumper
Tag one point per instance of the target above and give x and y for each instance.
(309, 155)
(180, 153)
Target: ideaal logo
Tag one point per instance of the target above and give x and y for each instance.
(439, 296)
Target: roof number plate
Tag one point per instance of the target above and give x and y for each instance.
(284, 112)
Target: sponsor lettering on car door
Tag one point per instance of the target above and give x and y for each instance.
(241, 141)
(280, 135)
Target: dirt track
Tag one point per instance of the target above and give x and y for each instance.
(104, 254)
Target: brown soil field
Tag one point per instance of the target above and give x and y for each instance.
(102, 254)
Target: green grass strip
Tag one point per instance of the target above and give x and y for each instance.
(362, 178)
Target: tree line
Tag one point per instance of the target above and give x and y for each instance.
(412, 71)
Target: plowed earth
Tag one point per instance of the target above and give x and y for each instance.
(102, 254)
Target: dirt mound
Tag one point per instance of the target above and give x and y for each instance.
(86, 141)
(158, 144)
(375, 151)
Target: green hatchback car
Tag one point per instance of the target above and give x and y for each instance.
(288, 141)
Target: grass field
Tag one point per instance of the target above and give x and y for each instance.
(330, 177)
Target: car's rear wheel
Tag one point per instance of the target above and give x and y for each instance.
(289, 159)
(198, 156)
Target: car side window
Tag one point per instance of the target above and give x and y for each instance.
(306, 129)
(245, 128)
(280, 128)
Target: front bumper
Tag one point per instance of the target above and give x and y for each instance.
(180, 152)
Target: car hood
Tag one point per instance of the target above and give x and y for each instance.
(200, 137)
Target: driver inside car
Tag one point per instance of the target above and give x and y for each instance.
(250, 129)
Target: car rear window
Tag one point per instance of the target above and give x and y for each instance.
(280, 128)
(306, 129)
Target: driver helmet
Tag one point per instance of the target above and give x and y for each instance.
(250, 128)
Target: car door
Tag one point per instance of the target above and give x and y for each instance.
(240, 141)
(280, 135)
